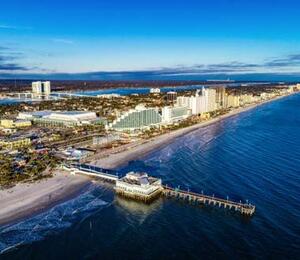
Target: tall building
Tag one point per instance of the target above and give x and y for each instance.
(246, 99)
(41, 88)
(183, 101)
(204, 101)
(232, 101)
(138, 118)
(210, 98)
(220, 97)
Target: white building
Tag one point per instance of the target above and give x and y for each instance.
(171, 114)
(57, 118)
(109, 95)
(74, 116)
(107, 139)
(154, 90)
(136, 119)
(210, 98)
(40, 88)
(32, 115)
(204, 101)
(139, 186)
(232, 101)
(246, 99)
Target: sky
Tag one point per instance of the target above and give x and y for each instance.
(127, 39)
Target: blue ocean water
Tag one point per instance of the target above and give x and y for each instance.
(254, 156)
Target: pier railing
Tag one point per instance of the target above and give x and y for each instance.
(243, 208)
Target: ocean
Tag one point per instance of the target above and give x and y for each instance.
(252, 156)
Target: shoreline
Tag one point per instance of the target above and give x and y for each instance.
(29, 199)
(117, 160)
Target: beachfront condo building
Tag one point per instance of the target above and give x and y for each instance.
(41, 88)
(203, 102)
(246, 99)
(136, 119)
(174, 114)
(220, 97)
(232, 101)
(210, 98)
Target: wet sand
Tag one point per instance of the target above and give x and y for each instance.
(26, 199)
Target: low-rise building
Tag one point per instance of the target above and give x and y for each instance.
(139, 186)
(72, 154)
(109, 96)
(154, 90)
(62, 118)
(15, 143)
(171, 96)
(22, 123)
(8, 131)
(107, 139)
(9, 123)
(33, 115)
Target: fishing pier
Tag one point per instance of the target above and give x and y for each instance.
(140, 186)
(192, 197)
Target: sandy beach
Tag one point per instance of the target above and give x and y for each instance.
(26, 199)
(115, 160)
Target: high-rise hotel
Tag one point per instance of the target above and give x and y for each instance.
(204, 101)
(41, 88)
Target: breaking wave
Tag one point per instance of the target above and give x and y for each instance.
(51, 222)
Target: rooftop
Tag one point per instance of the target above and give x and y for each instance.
(138, 178)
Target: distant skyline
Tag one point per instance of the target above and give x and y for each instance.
(250, 40)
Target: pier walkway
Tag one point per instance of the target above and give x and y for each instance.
(93, 171)
(166, 191)
(243, 208)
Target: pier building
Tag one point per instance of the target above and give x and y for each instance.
(139, 186)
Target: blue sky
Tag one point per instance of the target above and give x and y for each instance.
(97, 39)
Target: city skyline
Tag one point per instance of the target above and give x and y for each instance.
(136, 40)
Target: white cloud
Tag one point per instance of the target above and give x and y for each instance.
(12, 27)
(61, 40)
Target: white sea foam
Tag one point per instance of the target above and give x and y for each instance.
(51, 222)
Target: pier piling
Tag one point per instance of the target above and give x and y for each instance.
(243, 208)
